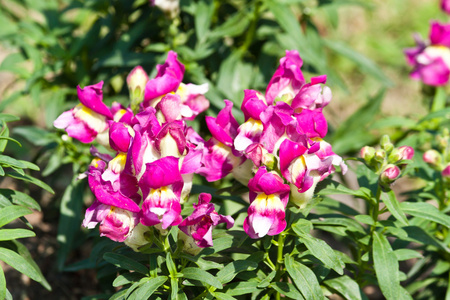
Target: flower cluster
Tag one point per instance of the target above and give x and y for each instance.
(155, 154)
(388, 162)
(278, 152)
(431, 61)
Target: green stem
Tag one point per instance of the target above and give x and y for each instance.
(280, 261)
(252, 29)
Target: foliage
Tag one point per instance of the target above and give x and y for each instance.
(398, 243)
(14, 205)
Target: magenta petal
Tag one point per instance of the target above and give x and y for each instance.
(289, 151)
(161, 172)
(167, 80)
(287, 74)
(92, 97)
(218, 132)
(170, 106)
(440, 34)
(268, 183)
(117, 225)
(176, 131)
(436, 73)
(119, 137)
(252, 105)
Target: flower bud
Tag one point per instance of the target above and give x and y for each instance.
(136, 81)
(432, 157)
(380, 155)
(446, 171)
(406, 152)
(395, 156)
(389, 174)
(386, 143)
(367, 153)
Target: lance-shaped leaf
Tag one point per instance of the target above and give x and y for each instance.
(304, 279)
(394, 207)
(387, 268)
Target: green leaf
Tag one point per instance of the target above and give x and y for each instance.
(353, 133)
(346, 287)
(26, 261)
(232, 269)
(11, 234)
(202, 276)
(11, 162)
(19, 263)
(203, 14)
(10, 213)
(8, 118)
(30, 179)
(335, 188)
(304, 279)
(425, 211)
(2, 285)
(125, 262)
(443, 113)
(302, 226)
(287, 20)
(393, 122)
(34, 135)
(241, 288)
(287, 289)
(233, 26)
(386, 267)
(148, 288)
(9, 197)
(405, 254)
(125, 278)
(393, 206)
(223, 296)
(70, 218)
(171, 265)
(366, 65)
(322, 251)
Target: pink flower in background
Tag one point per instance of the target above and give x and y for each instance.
(431, 61)
(200, 223)
(445, 6)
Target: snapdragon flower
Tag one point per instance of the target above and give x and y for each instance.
(431, 61)
(200, 223)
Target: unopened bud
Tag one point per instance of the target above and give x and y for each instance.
(432, 157)
(389, 174)
(136, 81)
(442, 141)
(367, 153)
(269, 160)
(380, 155)
(386, 143)
(407, 152)
(446, 171)
(395, 156)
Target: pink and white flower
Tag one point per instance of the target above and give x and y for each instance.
(201, 222)
(89, 118)
(431, 61)
(268, 199)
